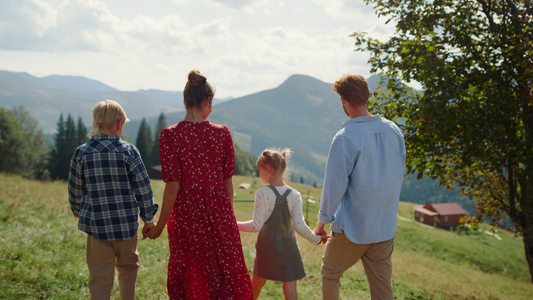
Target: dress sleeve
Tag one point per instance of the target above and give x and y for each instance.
(229, 156)
(260, 210)
(170, 164)
(299, 224)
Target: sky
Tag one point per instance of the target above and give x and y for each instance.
(242, 46)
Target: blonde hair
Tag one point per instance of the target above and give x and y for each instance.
(353, 88)
(105, 113)
(275, 158)
(197, 90)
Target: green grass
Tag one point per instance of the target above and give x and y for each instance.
(42, 254)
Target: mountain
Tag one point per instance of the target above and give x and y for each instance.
(77, 84)
(47, 97)
(303, 113)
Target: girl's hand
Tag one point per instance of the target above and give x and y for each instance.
(324, 238)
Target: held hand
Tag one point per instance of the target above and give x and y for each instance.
(156, 231)
(320, 230)
(324, 238)
(146, 229)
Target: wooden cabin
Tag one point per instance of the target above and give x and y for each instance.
(441, 214)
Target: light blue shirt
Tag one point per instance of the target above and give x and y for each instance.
(363, 180)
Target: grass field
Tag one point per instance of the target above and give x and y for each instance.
(42, 254)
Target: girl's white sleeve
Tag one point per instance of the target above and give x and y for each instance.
(299, 224)
(259, 215)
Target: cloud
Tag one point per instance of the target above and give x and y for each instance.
(22, 22)
(241, 45)
(249, 6)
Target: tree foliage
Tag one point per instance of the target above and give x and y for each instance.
(245, 162)
(68, 138)
(22, 144)
(161, 124)
(144, 143)
(472, 125)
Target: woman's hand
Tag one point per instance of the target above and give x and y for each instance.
(154, 232)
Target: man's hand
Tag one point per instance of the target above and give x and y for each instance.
(156, 231)
(320, 230)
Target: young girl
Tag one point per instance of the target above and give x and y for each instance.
(277, 213)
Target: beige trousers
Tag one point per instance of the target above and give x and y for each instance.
(341, 254)
(102, 258)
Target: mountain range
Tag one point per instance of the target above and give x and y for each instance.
(303, 113)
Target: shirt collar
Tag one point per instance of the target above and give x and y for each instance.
(105, 137)
(361, 120)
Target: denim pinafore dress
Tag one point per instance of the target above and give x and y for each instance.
(277, 254)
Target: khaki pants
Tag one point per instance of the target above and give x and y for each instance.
(102, 258)
(340, 254)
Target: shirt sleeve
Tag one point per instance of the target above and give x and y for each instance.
(75, 184)
(259, 219)
(299, 224)
(170, 165)
(140, 182)
(338, 169)
(229, 156)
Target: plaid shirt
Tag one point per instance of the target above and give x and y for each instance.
(108, 187)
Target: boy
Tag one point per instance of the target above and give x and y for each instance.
(108, 188)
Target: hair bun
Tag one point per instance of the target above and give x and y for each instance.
(196, 78)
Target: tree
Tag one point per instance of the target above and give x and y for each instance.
(81, 132)
(245, 162)
(161, 124)
(15, 147)
(34, 156)
(144, 143)
(66, 142)
(472, 125)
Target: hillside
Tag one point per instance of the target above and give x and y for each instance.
(43, 253)
(46, 98)
(303, 113)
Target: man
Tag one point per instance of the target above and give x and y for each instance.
(108, 189)
(360, 198)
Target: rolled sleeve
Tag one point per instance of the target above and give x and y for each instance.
(140, 182)
(338, 169)
(75, 185)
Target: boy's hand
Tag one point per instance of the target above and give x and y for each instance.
(146, 229)
(156, 231)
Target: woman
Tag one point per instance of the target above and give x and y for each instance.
(197, 160)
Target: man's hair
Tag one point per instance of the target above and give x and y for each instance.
(353, 88)
(105, 113)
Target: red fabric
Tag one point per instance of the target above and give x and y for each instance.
(206, 259)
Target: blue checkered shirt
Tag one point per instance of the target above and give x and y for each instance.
(109, 187)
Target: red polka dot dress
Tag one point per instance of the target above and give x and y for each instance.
(206, 259)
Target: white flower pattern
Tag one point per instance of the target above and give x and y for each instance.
(206, 259)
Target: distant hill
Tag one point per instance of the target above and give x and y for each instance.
(47, 97)
(303, 113)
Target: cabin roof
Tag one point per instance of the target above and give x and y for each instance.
(446, 209)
